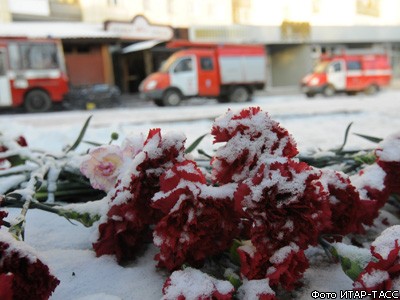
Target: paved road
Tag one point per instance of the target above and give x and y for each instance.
(387, 102)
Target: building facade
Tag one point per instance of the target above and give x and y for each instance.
(295, 32)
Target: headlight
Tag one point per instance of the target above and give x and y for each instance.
(151, 85)
(314, 81)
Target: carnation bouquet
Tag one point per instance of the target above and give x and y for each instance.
(240, 223)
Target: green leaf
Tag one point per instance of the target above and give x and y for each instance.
(233, 254)
(92, 143)
(346, 134)
(368, 158)
(369, 138)
(234, 279)
(352, 259)
(202, 152)
(85, 219)
(195, 143)
(81, 135)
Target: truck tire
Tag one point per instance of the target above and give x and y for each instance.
(310, 95)
(158, 102)
(329, 91)
(371, 89)
(239, 94)
(172, 98)
(37, 101)
(223, 99)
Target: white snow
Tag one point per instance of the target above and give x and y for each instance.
(67, 249)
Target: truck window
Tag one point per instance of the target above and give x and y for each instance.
(335, 67)
(39, 57)
(15, 60)
(353, 65)
(206, 63)
(2, 63)
(185, 65)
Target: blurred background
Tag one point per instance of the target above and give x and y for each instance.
(122, 41)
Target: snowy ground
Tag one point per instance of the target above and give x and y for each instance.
(318, 123)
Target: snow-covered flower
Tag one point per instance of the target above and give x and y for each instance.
(30, 277)
(383, 272)
(192, 284)
(286, 202)
(18, 142)
(200, 220)
(125, 226)
(388, 153)
(370, 184)
(284, 268)
(251, 136)
(255, 289)
(102, 166)
(344, 202)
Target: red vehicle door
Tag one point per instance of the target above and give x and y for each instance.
(208, 78)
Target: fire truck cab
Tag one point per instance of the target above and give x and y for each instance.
(226, 72)
(350, 73)
(32, 73)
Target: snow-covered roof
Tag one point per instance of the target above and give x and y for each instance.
(63, 30)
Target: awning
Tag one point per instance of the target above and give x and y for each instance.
(141, 46)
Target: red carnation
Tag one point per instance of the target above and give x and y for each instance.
(194, 284)
(30, 277)
(344, 201)
(285, 267)
(383, 273)
(3, 214)
(200, 220)
(388, 153)
(253, 263)
(251, 136)
(288, 265)
(126, 225)
(287, 203)
(20, 141)
(6, 286)
(370, 184)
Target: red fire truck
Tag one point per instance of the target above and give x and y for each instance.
(348, 72)
(32, 73)
(226, 72)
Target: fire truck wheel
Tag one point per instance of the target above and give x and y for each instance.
(37, 101)
(172, 98)
(158, 102)
(239, 95)
(329, 91)
(310, 95)
(371, 90)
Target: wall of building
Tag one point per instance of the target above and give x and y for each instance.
(5, 15)
(176, 13)
(289, 64)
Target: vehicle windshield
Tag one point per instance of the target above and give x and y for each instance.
(33, 56)
(167, 64)
(321, 67)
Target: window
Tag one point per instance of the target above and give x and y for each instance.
(335, 67)
(39, 56)
(206, 63)
(15, 56)
(2, 63)
(353, 65)
(185, 65)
